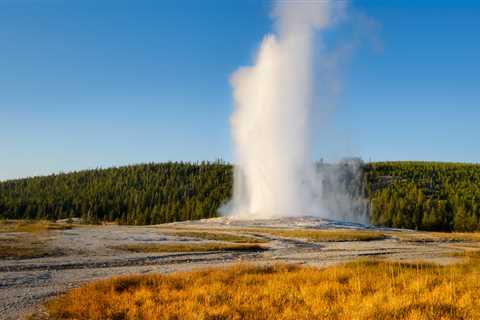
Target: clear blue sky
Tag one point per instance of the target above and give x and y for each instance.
(100, 83)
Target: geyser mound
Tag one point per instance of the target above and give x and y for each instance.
(300, 222)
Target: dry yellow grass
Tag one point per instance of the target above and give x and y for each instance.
(323, 235)
(31, 226)
(438, 236)
(24, 249)
(316, 235)
(189, 247)
(27, 239)
(358, 290)
(217, 236)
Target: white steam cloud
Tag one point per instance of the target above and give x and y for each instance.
(275, 175)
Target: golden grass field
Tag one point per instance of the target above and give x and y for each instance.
(356, 290)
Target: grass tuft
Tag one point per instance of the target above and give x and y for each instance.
(28, 239)
(25, 250)
(189, 247)
(31, 226)
(324, 235)
(215, 236)
(438, 236)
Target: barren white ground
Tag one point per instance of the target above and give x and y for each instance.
(88, 254)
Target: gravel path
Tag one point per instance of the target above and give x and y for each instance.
(87, 255)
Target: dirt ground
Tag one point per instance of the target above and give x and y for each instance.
(86, 253)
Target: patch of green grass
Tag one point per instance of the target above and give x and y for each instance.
(188, 247)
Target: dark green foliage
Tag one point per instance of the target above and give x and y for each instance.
(424, 195)
(414, 195)
(140, 194)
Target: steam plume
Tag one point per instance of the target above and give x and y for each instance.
(275, 175)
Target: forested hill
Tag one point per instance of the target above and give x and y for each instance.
(138, 194)
(424, 195)
(415, 195)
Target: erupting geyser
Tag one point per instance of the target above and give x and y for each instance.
(275, 174)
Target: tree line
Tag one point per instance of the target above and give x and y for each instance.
(424, 195)
(137, 194)
(414, 195)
